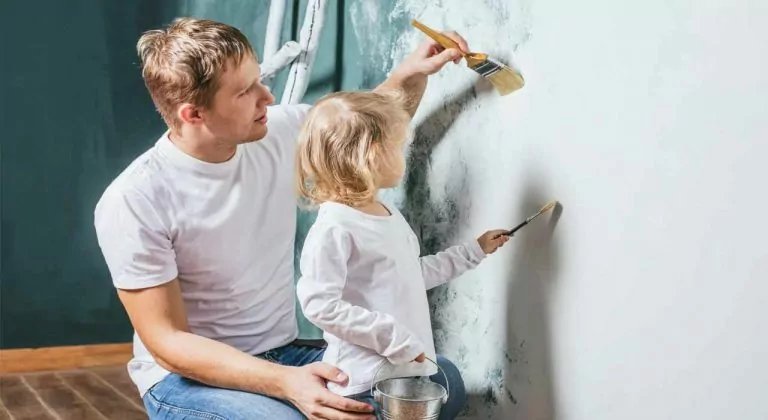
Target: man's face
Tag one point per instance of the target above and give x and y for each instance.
(238, 112)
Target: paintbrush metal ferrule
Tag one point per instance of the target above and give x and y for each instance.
(487, 68)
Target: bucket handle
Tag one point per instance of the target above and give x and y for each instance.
(447, 385)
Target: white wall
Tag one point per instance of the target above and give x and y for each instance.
(647, 120)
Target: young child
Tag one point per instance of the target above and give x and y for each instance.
(362, 280)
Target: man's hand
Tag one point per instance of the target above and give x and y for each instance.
(305, 387)
(429, 57)
(420, 358)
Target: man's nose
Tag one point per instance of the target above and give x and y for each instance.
(267, 98)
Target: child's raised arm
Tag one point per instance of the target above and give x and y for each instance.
(323, 277)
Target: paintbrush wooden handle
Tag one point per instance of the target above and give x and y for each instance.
(444, 40)
(473, 59)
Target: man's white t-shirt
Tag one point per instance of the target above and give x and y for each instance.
(364, 284)
(226, 230)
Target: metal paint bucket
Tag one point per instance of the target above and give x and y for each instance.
(409, 398)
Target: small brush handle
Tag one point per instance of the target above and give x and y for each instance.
(516, 228)
(444, 40)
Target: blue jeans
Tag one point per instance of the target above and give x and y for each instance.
(179, 398)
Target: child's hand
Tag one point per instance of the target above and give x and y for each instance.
(492, 240)
(420, 358)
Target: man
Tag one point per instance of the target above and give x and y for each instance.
(198, 234)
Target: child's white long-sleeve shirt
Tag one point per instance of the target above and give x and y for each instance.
(364, 284)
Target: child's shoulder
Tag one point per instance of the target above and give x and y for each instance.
(334, 219)
(328, 233)
(328, 225)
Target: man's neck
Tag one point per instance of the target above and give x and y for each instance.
(206, 151)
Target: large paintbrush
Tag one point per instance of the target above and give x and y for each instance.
(503, 78)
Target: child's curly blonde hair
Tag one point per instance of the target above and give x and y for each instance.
(343, 141)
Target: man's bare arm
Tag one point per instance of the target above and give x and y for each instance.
(411, 75)
(159, 317)
(160, 320)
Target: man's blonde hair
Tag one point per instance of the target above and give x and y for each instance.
(343, 140)
(183, 63)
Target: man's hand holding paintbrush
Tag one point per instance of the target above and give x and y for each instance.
(430, 56)
(504, 79)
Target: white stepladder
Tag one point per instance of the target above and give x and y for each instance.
(301, 55)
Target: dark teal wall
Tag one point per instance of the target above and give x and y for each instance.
(74, 113)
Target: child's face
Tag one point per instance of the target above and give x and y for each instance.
(391, 165)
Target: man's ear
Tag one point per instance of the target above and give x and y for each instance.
(190, 114)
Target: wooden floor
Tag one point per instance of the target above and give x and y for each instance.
(97, 393)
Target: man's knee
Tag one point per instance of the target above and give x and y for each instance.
(180, 398)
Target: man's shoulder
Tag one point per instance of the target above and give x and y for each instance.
(142, 178)
(286, 119)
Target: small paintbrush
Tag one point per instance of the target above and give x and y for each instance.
(503, 78)
(546, 207)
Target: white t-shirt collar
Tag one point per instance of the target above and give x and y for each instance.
(181, 159)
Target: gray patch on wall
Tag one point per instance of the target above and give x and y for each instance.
(434, 216)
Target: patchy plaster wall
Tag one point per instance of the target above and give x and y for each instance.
(642, 295)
